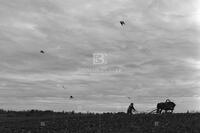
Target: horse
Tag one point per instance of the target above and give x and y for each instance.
(167, 106)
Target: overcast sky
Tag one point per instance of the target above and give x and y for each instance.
(154, 56)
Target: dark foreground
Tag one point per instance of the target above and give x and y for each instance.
(50, 122)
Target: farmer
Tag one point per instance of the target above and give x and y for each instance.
(130, 109)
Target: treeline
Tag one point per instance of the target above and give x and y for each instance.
(35, 112)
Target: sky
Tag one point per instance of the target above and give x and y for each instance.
(153, 57)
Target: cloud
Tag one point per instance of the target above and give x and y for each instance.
(153, 57)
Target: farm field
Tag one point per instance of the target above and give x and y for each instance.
(51, 122)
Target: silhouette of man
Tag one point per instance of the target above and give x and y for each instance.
(130, 109)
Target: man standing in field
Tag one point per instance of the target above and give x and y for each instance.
(130, 109)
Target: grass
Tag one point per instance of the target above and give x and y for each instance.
(69, 122)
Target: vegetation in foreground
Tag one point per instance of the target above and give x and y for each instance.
(35, 121)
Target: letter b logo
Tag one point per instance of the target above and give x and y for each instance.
(99, 58)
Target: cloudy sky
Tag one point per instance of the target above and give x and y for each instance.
(154, 56)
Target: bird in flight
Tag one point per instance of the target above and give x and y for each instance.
(42, 51)
(71, 97)
(122, 23)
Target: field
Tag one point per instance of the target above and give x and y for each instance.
(66, 122)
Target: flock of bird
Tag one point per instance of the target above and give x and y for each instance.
(121, 22)
(43, 52)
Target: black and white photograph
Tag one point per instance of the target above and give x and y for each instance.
(99, 66)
